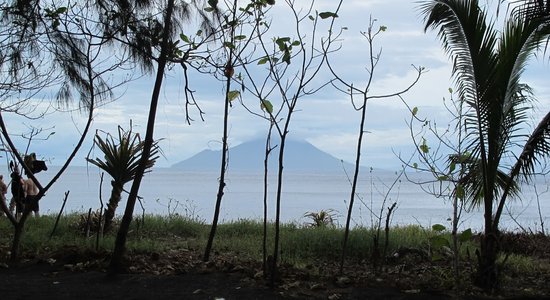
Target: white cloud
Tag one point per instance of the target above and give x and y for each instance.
(326, 119)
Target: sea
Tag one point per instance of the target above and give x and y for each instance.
(170, 192)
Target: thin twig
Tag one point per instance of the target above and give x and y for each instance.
(59, 215)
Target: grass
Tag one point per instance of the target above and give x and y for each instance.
(300, 245)
(162, 232)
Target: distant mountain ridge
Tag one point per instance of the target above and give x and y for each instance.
(249, 156)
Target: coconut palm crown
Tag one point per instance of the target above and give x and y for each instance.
(487, 69)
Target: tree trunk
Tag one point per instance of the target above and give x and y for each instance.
(221, 185)
(487, 276)
(116, 193)
(120, 243)
(18, 233)
(266, 186)
(274, 276)
(225, 148)
(354, 182)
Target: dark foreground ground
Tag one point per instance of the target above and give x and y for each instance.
(156, 276)
(40, 281)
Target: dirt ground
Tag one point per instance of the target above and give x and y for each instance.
(42, 281)
(181, 275)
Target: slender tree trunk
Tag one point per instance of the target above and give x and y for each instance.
(18, 234)
(120, 243)
(221, 185)
(114, 200)
(454, 235)
(274, 271)
(59, 214)
(266, 185)
(225, 148)
(387, 229)
(354, 183)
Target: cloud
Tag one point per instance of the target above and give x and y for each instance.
(327, 119)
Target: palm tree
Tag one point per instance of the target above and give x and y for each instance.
(121, 159)
(488, 65)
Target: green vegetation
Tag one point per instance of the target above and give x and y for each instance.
(63, 45)
(488, 65)
(301, 244)
(120, 160)
(163, 243)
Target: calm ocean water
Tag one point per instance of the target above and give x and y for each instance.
(165, 191)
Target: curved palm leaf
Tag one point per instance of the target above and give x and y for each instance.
(471, 184)
(469, 41)
(487, 68)
(530, 9)
(122, 159)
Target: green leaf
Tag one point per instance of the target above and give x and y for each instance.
(438, 227)
(439, 242)
(450, 90)
(328, 14)
(311, 17)
(459, 191)
(281, 42)
(213, 3)
(286, 57)
(464, 157)
(232, 95)
(229, 45)
(184, 38)
(240, 37)
(267, 106)
(465, 236)
(415, 111)
(415, 165)
(424, 147)
(263, 60)
(383, 28)
(296, 43)
(443, 177)
(208, 9)
(452, 167)
(199, 32)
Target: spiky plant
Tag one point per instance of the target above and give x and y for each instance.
(120, 161)
(323, 218)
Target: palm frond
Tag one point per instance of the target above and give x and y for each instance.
(121, 157)
(536, 148)
(472, 183)
(487, 67)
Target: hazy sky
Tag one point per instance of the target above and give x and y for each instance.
(326, 119)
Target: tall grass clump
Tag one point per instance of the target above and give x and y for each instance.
(166, 226)
(411, 236)
(310, 243)
(300, 244)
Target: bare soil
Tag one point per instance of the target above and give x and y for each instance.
(180, 274)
